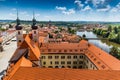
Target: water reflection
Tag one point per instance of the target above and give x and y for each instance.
(98, 43)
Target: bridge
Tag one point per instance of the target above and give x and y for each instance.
(97, 38)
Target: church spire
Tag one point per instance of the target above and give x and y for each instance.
(18, 27)
(17, 20)
(34, 20)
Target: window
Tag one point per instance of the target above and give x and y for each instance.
(50, 67)
(59, 50)
(49, 57)
(74, 62)
(69, 62)
(81, 62)
(69, 57)
(34, 32)
(76, 50)
(70, 50)
(63, 66)
(49, 50)
(75, 67)
(65, 50)
(44, 63)
(91, 65)
(75, 57)
(80, 67)
(62, 57)
(43, 57)
(69, 66)
(56, 57)
(56, 62)
(80, 56)
(19, 40)
(103, 66)
(50, 62)
(62, 62)
(18, 32)
(56, 66)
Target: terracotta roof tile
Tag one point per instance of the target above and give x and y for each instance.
(27, 73)
(12, 70)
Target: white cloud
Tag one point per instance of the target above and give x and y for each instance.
(61, 8)
(104, 9)
(87, 8)
(65, 11)
(116, 8)
(79, 4)
(11, 14)
(37, 15)
(13, 9)
(23, 13)
(68, 12)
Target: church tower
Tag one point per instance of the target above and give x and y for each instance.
(19, 31)
(34, 30)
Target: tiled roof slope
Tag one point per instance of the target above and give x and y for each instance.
(29, 73)
(103, 57)
(34, 50)
(11, 71)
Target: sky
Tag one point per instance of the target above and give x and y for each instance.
(61, 10)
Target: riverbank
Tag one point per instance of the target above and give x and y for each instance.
(110, 43)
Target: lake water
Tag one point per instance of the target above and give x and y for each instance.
(98, 43)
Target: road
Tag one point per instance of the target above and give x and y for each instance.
(6, 55)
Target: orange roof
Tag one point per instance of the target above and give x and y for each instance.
(27, 73)
(29, 44)
(100, 58)
(23, 62)
(103, 57)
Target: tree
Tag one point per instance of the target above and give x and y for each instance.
(110, 28)
(118, 38)
(115, 30)
(115, 52)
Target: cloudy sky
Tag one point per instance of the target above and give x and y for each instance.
(61, 10)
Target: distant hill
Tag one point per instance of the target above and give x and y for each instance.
(62, 22)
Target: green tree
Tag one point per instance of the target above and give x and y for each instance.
(118, 38)
(115, 52)
(115, 30)
(110, 28)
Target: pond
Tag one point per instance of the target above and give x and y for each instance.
(101, 44)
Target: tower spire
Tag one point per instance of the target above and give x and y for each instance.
(34, 20)
(17, 20)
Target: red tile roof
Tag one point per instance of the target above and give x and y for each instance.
(29, 73)
(34, 50)
(13, 69)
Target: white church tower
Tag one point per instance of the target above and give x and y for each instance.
(19, 31)
(35, 32)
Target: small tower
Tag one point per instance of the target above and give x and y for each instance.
(34, 30)
(19, 31)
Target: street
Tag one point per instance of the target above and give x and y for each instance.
(6, 55)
